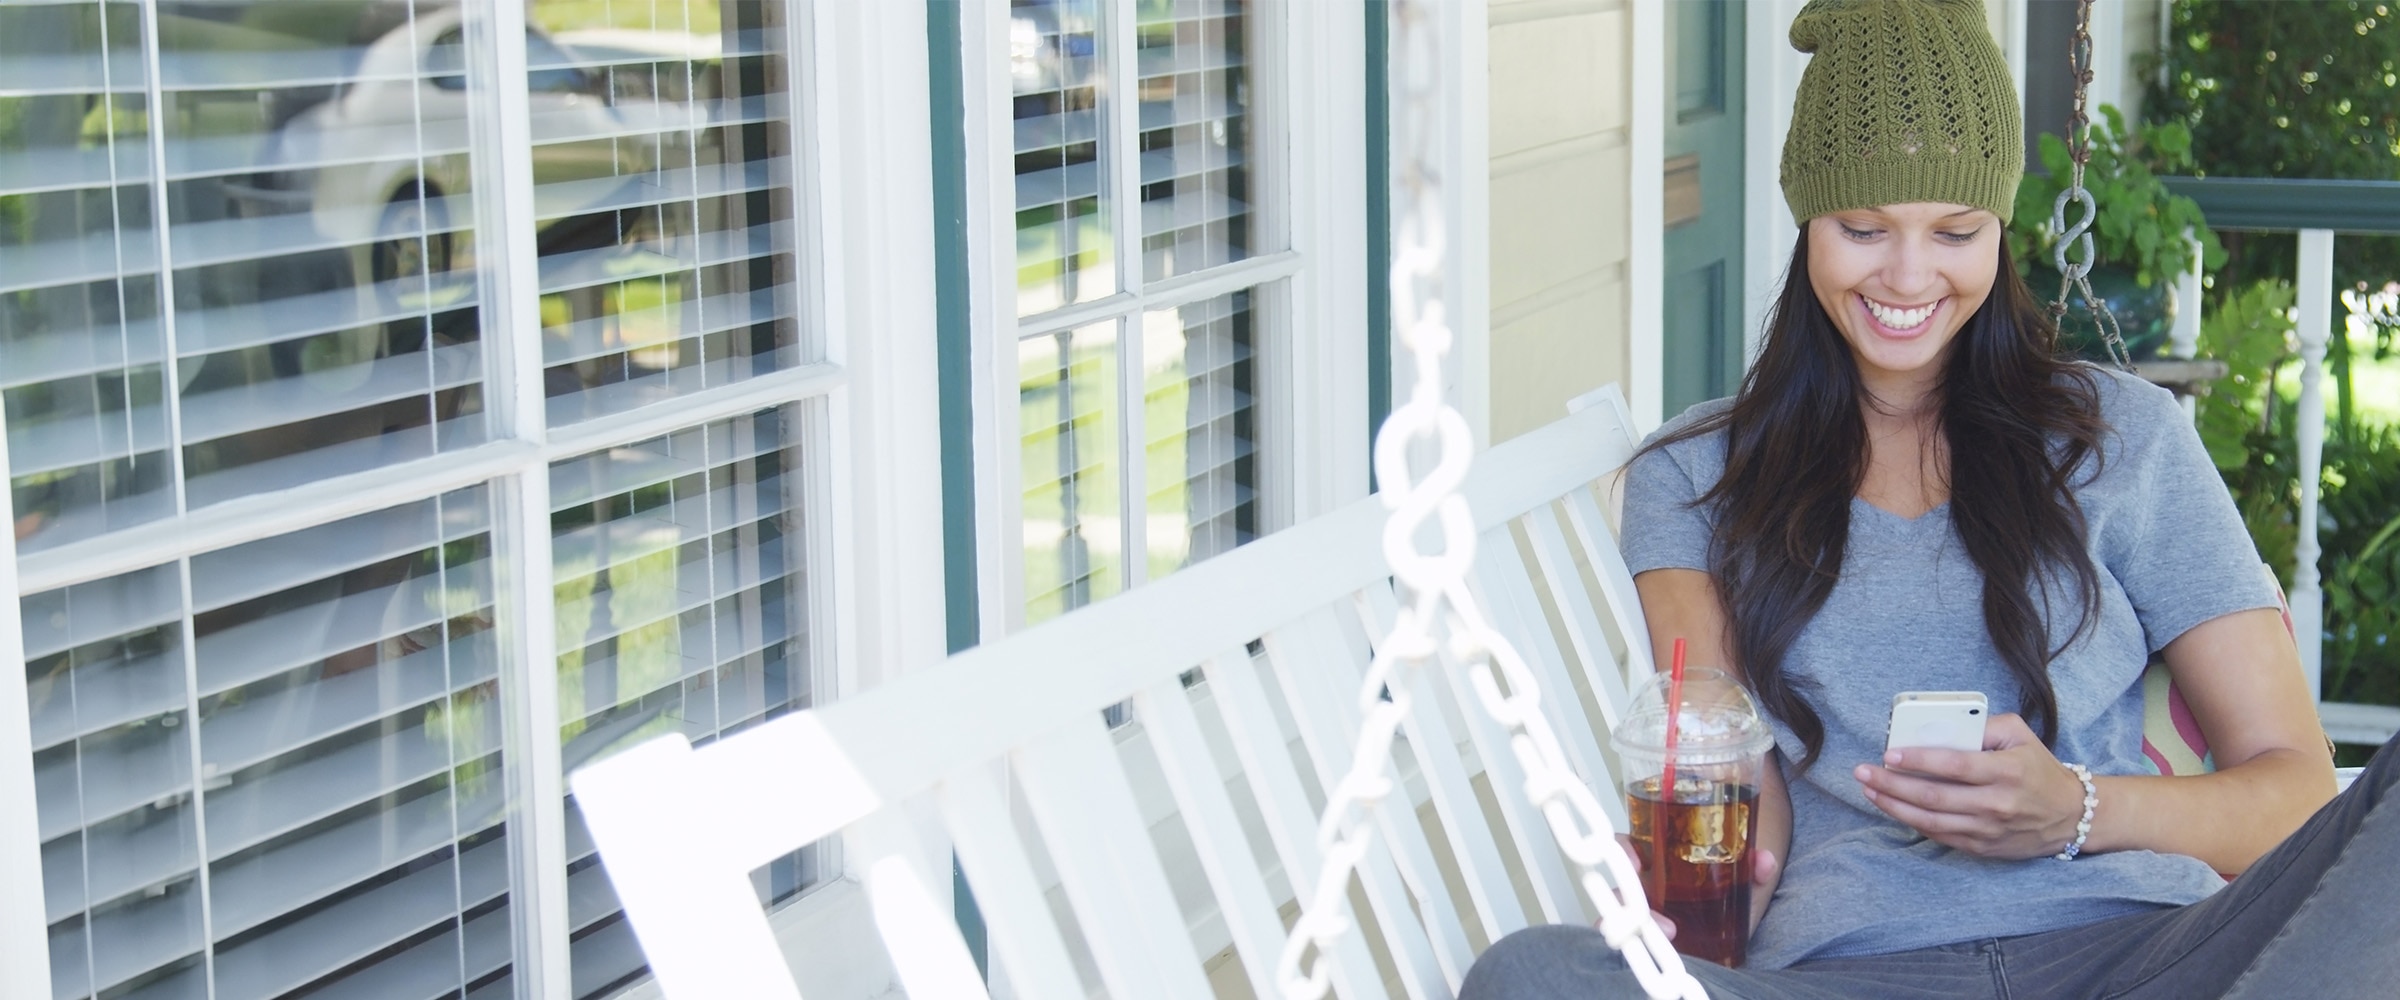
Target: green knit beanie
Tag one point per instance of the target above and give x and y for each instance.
(1905, 100)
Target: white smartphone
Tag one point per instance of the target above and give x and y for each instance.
(1951, 720)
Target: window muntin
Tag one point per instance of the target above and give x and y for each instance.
(334, 820)
(682, 601)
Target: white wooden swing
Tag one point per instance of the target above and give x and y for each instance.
(681, 828)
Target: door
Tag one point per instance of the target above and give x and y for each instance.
(1703, 337)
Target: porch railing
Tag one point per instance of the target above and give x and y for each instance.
(2315, 210)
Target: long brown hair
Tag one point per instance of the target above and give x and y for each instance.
(2020, 421)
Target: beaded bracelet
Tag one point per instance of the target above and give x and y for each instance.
(2091, 801)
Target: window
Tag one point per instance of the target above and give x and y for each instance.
(277, 764)
(1153, 289)
(277, 471)
(682, 602)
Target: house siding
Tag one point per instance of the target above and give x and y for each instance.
(1560, 134)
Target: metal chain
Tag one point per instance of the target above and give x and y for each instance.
(2075, 275)
(1434, 582)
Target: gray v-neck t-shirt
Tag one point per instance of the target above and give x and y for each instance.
(1907, 615)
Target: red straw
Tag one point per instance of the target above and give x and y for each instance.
(1674, 711)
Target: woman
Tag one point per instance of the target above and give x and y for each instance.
(1911, 492)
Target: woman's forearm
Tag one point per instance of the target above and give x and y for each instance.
(2228, 818)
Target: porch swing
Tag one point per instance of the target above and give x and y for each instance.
(1338, 663)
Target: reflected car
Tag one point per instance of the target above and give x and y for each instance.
(380, 163)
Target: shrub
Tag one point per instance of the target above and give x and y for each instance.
(2249, 429)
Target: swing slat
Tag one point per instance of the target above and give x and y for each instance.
(920, 933)
(1306, 661)
(1291, 823)
(1225, 856)
(1075, 788)
(1454, 803)
(1500, 574)
(1564, 579)
(1028, 944)
(1536, 850)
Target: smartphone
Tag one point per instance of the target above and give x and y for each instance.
(1951, 720)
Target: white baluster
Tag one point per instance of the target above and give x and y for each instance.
(2184, 340)
(2316, 325)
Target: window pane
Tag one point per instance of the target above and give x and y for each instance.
(311, 275)
(1195, 142)
(663, 191)
(1065, 247)
(1067, 407)
(334, 822)
(80, 339)
(1200, 423)
(319, 204)
(682, 600)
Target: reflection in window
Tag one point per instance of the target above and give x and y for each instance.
(1064, 244)
(663, 181)
(682, 604)
(305, 307)
(1196, 495)
(1110, 498)
(1195, 134)
(1198, 436)
(276, 768)
(81, 345)
(1200, 425)
(1067, 440)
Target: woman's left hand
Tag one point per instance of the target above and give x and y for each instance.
(2011, 800)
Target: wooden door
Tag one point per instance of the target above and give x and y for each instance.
(1703, 336)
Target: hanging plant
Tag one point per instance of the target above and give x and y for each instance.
(2140, 223)
(2137, 232)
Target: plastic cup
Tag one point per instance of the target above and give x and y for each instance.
(1695, 840)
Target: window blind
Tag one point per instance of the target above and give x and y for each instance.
(1195, 134)
(276, 767)
(663, 196)
(257, 284)
(682, 607)
(80, 339)
(1071, 476)
(1200, 411)
(1192, 367)
(1066, 250)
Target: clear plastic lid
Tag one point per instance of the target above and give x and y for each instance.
(1717, 724)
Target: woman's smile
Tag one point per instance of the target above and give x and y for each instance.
(1900, 322)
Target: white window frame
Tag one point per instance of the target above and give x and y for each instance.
(1308, 184)
(872, 498)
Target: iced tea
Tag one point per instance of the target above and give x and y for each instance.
(1699, 872)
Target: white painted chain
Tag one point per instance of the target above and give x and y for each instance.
(1436, 588)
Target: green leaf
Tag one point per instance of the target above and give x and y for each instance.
(2054, 156)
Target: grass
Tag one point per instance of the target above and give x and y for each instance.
(2374, 385)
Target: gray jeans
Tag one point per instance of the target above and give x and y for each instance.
(2319, 916)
